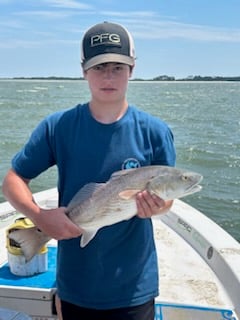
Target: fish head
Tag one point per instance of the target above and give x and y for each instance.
(175, 185)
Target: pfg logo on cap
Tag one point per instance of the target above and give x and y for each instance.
(105, 38)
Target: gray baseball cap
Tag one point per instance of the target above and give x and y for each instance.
(107, 42)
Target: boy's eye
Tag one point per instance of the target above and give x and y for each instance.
(105, 66)
(118, 67)
(98, 67)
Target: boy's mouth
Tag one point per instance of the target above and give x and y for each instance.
(108, 89)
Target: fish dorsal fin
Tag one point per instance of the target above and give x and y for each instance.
(128, 194)
(84, 193)
(121, 173)
(87, 236)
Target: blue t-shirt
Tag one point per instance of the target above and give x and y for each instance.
(118, 268)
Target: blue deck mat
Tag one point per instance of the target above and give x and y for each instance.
(45, 280)
(163, 312)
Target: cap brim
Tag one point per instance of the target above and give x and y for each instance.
(107, 57)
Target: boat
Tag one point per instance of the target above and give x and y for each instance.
(199, 268)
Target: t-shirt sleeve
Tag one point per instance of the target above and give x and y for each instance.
(166, 153)
(37, 154)
(163, 144)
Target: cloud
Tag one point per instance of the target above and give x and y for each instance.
(150, 25)
(70, 4)
(33, 44)
(133, 14)
(166, 29)
(45, 14)
(147, 25)
(11, 24)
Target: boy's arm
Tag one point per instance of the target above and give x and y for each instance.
(52, 222)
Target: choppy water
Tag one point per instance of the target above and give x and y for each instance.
(205, 119)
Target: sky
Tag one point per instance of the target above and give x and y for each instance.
(178, 38)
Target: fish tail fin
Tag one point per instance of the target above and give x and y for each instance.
(30, 240)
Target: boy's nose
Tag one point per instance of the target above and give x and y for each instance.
(108, 72)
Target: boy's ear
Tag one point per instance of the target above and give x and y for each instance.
(84, 72)
(131, 70)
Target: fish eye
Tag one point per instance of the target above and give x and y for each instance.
(184, 177)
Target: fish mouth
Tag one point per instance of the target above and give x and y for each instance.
(194, 188)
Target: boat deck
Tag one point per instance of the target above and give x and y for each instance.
(186, 279)
(184, 275)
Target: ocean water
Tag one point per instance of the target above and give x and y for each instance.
(204, 117)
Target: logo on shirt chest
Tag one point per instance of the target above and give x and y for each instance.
(131, 163)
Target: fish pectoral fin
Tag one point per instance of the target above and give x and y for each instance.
(128, 194)
(87, 236)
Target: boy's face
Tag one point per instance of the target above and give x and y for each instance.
(108, 81)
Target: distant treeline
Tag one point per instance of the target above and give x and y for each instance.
(192, 78)
(159, 78)
(47, 78)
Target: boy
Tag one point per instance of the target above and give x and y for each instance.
(116, 275)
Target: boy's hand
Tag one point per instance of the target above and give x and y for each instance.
(56, 224)
(149, 205)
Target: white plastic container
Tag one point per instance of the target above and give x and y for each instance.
(16, 259)
(20, 267)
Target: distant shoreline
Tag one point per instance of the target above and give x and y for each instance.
(159, 78)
